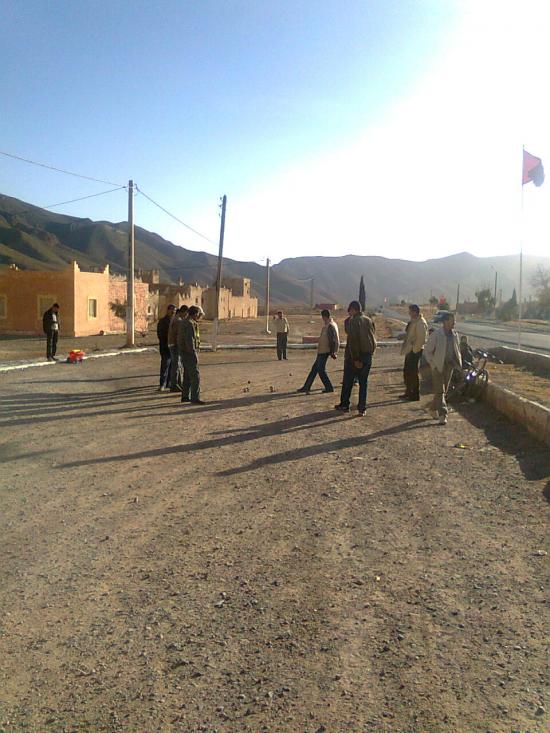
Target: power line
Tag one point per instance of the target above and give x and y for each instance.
(72, 201)
(59, 170)
(203, 236)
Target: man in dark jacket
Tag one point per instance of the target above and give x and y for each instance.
(162, 332)
(189, 342)
(328, 345)
(50, 324)
(360, 346)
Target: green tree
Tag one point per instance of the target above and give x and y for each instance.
(485, 300)
(434, 300)
(541, 283)
(362, 295)
(509, 310)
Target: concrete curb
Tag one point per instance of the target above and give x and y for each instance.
(534, 417)
(523, 357)
(10, 367)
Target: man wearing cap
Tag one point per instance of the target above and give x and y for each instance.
(282, 329)
(162, 332)
(189, 341)
(50, 324)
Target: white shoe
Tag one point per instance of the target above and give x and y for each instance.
(443, 419)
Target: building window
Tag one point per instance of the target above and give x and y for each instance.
(44, 302)
(92, 308)
(3, 306)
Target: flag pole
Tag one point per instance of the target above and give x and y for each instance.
(520, 313)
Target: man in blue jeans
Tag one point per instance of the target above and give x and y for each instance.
(360, 346)
(329, 343)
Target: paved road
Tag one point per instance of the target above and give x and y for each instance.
(497, 334)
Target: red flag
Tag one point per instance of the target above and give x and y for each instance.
(532, 169)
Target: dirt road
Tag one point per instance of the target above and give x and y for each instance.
(264, 563)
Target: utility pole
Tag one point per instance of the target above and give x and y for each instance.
(130, 321)
(496, 280)
(311, 295)
(267, 263)
(219, 278)
(457, 297)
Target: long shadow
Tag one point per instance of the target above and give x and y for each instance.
(546, 492)
(99, 379)
(532, 457)
(290, 425)
(336, 445)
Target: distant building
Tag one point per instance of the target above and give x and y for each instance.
(235, 300)
(328, 306)
(163, 294)
(90, 302)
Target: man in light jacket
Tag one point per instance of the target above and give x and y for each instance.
(442, 353)
(413, 345)
(360, 346)
(282, 329)
(329, 343)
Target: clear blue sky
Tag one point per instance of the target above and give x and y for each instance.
(313, 117)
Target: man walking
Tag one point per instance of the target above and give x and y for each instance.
(175, 364)
(282, 329)
(413, 345)
(162, 332)
(442, 353)
(188, 347)
(50, 325)
(360, 346)
(329, 343)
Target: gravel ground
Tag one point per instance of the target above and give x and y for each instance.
(263, 563)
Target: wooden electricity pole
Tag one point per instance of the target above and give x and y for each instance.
(219, 278)
(130, 320)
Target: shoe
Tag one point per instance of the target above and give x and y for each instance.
(303, 390)
(185, 399)
(361, 413)
(414, 399)
(160, 389)
(342, 408)
(197, 402)
(327, 391)
(433, 413)
(403, 396)
(442, 419)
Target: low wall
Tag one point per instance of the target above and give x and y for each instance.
(534, 417)
(529, 359)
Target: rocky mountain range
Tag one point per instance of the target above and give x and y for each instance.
(37, 239)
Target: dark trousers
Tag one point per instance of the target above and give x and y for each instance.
(351, 372)
(51, 343)
(319, 368)
(281, 345)
(191, 387)
(165, 360)
(410, 375)
(175, 377)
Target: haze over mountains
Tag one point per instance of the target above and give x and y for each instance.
(37, 239)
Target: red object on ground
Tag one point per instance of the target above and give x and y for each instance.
(75, 356)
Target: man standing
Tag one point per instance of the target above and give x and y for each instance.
(413, 345)
(329, 343)
(162, 332)
(50, 324)
(175, 381)
(360, 346)
(442, 353)
(188, 347)
(282, 330)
